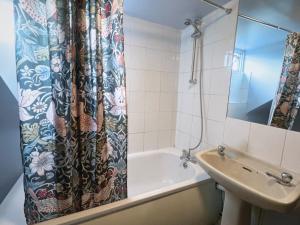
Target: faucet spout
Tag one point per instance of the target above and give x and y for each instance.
(187, 157)
(221, 150)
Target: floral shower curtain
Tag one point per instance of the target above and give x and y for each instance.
(71, 76)
(286, 104)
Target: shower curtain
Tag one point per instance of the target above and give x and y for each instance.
(73, 120)
(287, 101)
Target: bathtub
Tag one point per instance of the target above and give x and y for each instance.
(158, 186)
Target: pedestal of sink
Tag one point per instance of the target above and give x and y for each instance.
(235, 211)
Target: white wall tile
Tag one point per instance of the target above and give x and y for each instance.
(170, 62)
(135, 143)
(220, 50)
(165, 121)
(196, 127)
(168, 82)
(152, 101)
(186, 86)
(182, 140)
(152, 81)
(207, 56)
(185, 122)
(136, 122)
(171, 39)
(151, 121)
(185, 62)
(291, 153)
(164, 139)
(222, 29)
(151, 54)
(135, 57)
(154, 59)
(150, 141)
(220, 80)
(236, 134)
(206, 104)
(174, 120)
(214, 132)
(196, 105)
(151, 35)
(167, 102)
(136, 103)
(186, 103)
(206, 79)
(173, 135)
(186, 40)
(135, 80)
(180, 86)
(266, 143)
(217, 108)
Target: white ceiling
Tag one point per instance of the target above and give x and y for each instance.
(168, 12)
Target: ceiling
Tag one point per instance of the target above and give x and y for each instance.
(168, 12)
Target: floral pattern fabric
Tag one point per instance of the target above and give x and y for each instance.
(286, 104)
(72, 104)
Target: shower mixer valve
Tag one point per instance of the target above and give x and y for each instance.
(187, 157)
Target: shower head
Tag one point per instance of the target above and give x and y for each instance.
(188, 22)
(196, 23)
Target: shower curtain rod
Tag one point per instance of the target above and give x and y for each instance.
(228, 11)
(265, 23)
(209, 2)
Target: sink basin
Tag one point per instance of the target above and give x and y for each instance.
(245, 179)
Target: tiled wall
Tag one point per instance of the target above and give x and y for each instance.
(151, 53)
(276, 146)
(158, 107)
(218, 41)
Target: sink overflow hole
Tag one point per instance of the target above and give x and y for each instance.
(245, 168)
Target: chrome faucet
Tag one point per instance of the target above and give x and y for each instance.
(187, 157)
(285, 178)
(221, 150)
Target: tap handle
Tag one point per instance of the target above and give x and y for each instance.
(286, 177)
(184, 154)
(221, 150)
(221, 147)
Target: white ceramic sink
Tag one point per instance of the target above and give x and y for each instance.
(245, 178)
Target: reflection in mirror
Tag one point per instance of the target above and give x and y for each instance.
(264, 83)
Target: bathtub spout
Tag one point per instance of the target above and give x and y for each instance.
(187, 157)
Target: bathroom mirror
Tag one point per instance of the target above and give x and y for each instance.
(265, 64)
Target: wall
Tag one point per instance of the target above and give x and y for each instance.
(273, 145)
(7, 46)
(276, 146)
(151, 53)
(218, 42)
(10, 160)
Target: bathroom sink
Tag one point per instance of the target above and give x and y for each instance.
(246, 178)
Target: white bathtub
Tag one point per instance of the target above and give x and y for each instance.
(151, 175)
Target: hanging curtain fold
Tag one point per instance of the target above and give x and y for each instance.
(73, 120)
(287, 101)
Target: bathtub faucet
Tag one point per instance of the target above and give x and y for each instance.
(187, 157)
